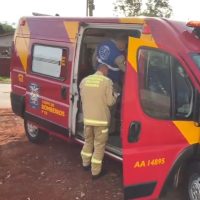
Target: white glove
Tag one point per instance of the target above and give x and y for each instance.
(116, 94)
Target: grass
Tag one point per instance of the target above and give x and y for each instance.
(4, 79)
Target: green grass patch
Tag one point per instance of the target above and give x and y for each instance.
(4, 79)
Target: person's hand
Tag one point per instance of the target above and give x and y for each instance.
(116, 94)
(116, 88)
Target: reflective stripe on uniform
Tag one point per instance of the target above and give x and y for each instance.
(86, 154)
(95, 161)
(93, 81)
(91, 85)
(105, 130)
(95, 122)
(96, 77)
(100, 77)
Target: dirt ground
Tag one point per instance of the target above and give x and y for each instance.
(51, 171)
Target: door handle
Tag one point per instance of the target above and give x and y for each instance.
(134, 131)
(72, 97)
(63, 92)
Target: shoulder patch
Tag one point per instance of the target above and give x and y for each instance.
(104, 52)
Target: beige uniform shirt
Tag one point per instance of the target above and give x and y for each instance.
(97, 95)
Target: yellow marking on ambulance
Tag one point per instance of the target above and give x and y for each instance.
(189, 131)
(20, 78)
(150, 163)
(22, 43)
(72, 29)
(129, 20)
(134, 45)
(140, 164)
(48, 107)
(63, 61)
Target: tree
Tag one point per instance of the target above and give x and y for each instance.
(154, 8)
(158, 8)
(128, 7)
(5, 28)
(1, 29)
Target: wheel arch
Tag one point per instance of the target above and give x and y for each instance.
(185, 158)
(18, 104)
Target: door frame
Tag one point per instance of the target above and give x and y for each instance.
(74, 85)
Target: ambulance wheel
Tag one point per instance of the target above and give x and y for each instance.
(194, 181)
(34, 133)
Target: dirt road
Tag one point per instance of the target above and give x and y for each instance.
(51, 171)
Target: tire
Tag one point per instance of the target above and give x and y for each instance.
(193, 188)
(34, 133)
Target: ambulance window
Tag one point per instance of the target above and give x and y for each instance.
(49, 61)
(183, 91)
(155, 83)
(165, 89)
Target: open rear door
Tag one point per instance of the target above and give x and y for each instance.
(151, 141)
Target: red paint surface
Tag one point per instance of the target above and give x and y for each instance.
(159, 138)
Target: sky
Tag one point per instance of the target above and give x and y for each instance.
(12, 10)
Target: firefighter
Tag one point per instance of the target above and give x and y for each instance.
(112, 52)
(97, 96)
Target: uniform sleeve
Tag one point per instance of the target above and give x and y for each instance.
(120, 62)
(110, 96)
(81, 88)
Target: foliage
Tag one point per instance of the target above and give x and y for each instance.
(128, 7)
(154, 8)
(159, 8)
(5, 28)
(4, 79)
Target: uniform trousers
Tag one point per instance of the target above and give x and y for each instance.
(93, 150)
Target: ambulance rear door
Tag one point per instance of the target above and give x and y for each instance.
(48, 86)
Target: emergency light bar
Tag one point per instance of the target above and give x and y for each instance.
(196, 26)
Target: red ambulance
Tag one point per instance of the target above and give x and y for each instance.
(158, 136)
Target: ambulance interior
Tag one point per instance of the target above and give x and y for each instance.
(91, 38)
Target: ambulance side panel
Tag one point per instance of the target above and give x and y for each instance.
(41, 72)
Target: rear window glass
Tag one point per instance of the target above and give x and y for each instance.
(49, 61)
(196, 58)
